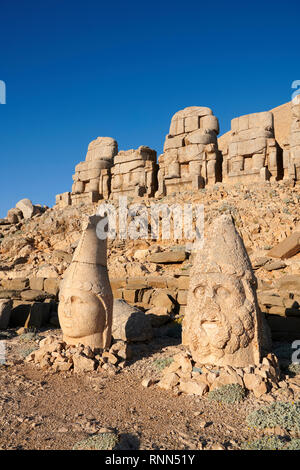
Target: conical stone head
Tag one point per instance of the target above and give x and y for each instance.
(222, 324)
(85, 300)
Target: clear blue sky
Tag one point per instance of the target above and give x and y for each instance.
(76, 70)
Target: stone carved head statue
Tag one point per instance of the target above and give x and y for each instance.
(85, 300)
(222, 322)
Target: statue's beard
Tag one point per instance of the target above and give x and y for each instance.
(221, 333)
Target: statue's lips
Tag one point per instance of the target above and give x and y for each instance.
(210, 318)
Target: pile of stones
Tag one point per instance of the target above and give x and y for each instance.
(55, 355)
(184, 375)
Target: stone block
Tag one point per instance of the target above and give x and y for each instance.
(36, 283)
(168, 257)
(26, 207)
(277, 310)
(289, 283)
(158, 316)
(182, 297)
(192, 123)
(210, 122)
(51, 286)
(117, 293)
(10, 294)
(130, 295)
(137, 283)
(157, 282)
(130, 324)
(177, 127)
(31, 295)
(5, 313)
(287, 248)
(193, 387)
(20, 312)
(15, 284)
(118, 283)
(183, 282)
(174, 142)
(39, 315)
(172, 282)
(201, 136)
(270, 300)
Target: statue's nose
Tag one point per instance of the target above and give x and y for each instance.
(209, 292)
(68, 308)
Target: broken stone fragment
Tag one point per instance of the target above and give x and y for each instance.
(148, 382)
(130, 323)
(27, 208)
(193, 387)
(83, 364)
(169, 381)
(168, 257)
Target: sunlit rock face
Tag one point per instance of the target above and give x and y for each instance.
(86, 301)
(222, 324)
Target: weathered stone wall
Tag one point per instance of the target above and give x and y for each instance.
(35, 299)
(134, 173)
(252, 153)
(294, 161)
(191, 159)
(92, 177)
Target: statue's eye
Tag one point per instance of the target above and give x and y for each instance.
(199, 291)
(222, 292)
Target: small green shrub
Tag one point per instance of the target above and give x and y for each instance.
(230, 394)
(294, 444)
(264, 443)
(26, 351)
(103, 441)
(285, 415)
(161, 364)
(28, 337)
(272, 443)
(293, 369)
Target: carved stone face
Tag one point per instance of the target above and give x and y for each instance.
(81, 313)
(222, 318)
(225, 319)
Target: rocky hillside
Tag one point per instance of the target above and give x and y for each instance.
(150, 274)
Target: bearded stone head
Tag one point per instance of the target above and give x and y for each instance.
(222, 318)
